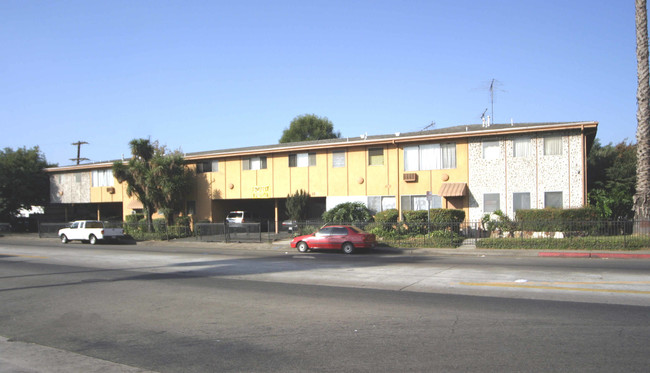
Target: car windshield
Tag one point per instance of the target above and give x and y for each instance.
(234, 215)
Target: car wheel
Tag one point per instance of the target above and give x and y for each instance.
(302, 247)
(348, 248)
(64, 239)
(92, 239)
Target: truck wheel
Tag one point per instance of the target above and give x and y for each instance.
(92, 239)
(64, 239)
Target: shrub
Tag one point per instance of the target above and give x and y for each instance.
(348, 212)
(556, 220)
(387, 216)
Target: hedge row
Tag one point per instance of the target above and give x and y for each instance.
(575, 243)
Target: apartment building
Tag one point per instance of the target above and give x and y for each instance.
(476, 168)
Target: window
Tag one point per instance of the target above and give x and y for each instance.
(338, 158)
(520, 201)
(101, 178)
(553, 145)
(416, 203)
(491, 202)
(429, 157)
(491, 149)
(302, 160)
(553, 199)
(521, 147)
(376, 156)
(212, 166)
(254, 163)
(381, 203)
(77, 177)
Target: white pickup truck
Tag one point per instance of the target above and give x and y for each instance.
(89, 230)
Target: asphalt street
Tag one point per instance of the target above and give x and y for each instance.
(175, 308)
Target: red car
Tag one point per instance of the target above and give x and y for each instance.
(341, 237)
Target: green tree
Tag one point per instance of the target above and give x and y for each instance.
(23, 181)
(309, 127)
(642, 195)
(156, 177)
(348, 212)
(297, 205)
(611, 179)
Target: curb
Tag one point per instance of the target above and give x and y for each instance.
(593, 255)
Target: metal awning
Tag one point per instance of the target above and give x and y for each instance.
(453, 190)
(135, 205)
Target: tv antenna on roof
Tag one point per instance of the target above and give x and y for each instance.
(431, 125)
(79, 159)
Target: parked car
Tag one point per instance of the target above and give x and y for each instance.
(346, 238)
(238, 217)
(290, 225)
(89, 230)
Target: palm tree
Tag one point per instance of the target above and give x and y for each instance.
(642, 196)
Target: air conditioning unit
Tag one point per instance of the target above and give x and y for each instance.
(410, 177)
(110, 190)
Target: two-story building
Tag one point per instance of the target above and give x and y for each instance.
(477, 168)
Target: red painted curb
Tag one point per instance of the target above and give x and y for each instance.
(593, 255)
(565, 255)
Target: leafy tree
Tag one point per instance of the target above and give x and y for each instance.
(642, 195)
(23, 181)
(348, 212)
(156, 177)
(611, 179)
(309, 127)
(297, 205)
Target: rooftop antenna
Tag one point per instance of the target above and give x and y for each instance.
(483, 117)
(79, 159)
(431, 125)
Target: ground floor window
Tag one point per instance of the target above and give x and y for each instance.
(381, 203)
(491, 202)
(553, 199)
(419, 202)
(520, 201)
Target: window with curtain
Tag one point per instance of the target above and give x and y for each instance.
(381, 203)
(102, 178)
(429, 157)
(302, 160)
(491, 149)
(417, 203)
(553, 199)
(520, 201)
(491, 202)
(376, 156)
(521, 147)
(254, 163)
(338, 159)
(553, 145)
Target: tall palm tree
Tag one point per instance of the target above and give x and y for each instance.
(642, 196)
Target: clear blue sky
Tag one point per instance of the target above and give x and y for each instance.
(206, 75)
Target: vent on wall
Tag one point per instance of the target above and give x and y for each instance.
(110, 190)
(410, 177)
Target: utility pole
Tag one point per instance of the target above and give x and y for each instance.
(79, 159)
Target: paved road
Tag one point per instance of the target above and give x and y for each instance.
(128, 309)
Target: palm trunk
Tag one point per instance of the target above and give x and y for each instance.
(642, 196)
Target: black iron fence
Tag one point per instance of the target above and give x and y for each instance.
(609, 235)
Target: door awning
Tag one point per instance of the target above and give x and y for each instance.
(134, 204)
(453, 190)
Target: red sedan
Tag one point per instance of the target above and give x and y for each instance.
(341, 237)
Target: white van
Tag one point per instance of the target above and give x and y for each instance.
(238, 217)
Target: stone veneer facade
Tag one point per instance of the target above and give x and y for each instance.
(535, 174)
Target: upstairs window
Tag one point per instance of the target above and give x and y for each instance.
(338, 158)
(429, 157)
(212, 166)
(521, 147)
(491, 149)
(102, 178)
(376, 156)
(553, 145)
(254, 163)
(302, 160)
